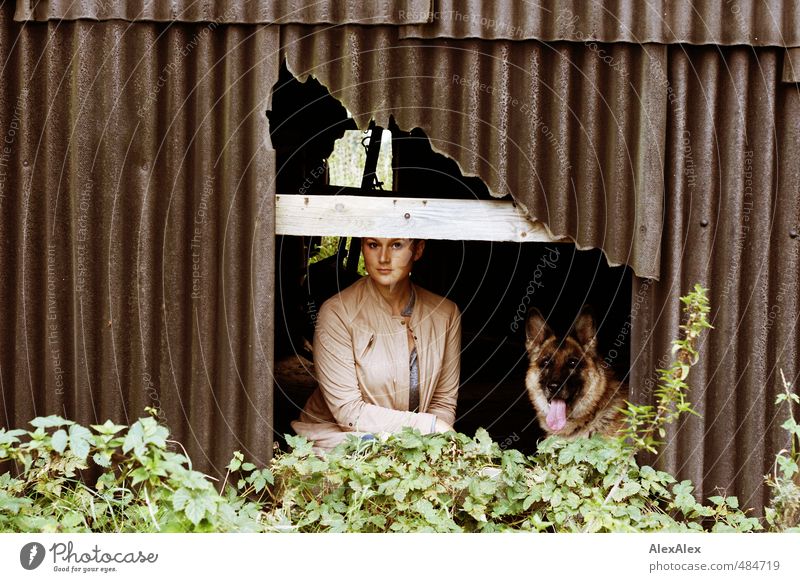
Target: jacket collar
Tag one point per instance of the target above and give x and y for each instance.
(384, 304)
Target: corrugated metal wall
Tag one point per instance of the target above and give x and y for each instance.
(576, 139)
(720, 22)
(137, 218)
(230, 11)
(733, 212)
(120, 143)
(749, 22)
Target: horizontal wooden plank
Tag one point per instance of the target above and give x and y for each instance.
(429, 218)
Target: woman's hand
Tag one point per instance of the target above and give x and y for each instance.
(442, 426)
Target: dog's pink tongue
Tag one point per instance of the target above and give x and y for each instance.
(557, 415)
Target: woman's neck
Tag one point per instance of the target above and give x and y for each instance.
(397, 296)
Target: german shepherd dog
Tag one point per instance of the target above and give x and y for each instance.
(573, 393)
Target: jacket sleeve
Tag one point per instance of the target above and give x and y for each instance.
(336, 375)
(445, 394)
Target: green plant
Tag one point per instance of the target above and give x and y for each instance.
(784, 515)
(645, 422)
(142, 486)
(402, 482)
(449, 482)
(329, 246)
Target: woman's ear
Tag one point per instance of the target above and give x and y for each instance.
(418, 248)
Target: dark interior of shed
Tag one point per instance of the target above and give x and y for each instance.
(492, 283)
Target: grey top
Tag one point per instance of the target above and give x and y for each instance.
(413, 364)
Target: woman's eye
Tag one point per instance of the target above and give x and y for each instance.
(372, 245)
(397, 246)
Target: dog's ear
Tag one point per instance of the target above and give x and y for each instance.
(536, 331)
(584, 331)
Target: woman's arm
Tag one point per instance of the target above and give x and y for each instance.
(336, 375)
(445, 395)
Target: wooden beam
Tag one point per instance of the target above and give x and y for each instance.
(429, 218)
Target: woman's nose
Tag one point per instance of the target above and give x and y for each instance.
(384, 255)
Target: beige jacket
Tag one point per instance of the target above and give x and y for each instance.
(361, 356)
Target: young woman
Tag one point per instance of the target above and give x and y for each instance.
(386, 353)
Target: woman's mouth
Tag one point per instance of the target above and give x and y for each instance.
(385, 271)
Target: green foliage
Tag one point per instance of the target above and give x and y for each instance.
(404, 482)
(142, 486)
(346, 162)
(646, 424)
(452, 483)
(784, 515)
(329, 246)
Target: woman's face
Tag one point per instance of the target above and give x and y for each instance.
(389, 260)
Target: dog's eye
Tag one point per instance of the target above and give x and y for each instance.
(544, 362)
(572, 362)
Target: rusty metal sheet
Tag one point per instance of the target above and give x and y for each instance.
(137, 213)
(230, 11)
(733, 213)
(575, 136)
(730, 22)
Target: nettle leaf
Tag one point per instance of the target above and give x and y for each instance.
(420, 482)
(134, 440)
(538, 523)
(791, 426)
(180, 498)
(409, 439)
(154, 433)
(476, 510)
(102, 458)
(425, 507)
(139, 475)
(80, 439)
(13, 505)
(9, 437)
(787, 466)
(191, 479)
(684, 500)
(571, 477)
(485, 442)
(236, 462)
(197, 507)
(300, 446)
(259, 483)
(628, 489)
(388, 487)
(59, 440)
(51, 421)
(400, 492)
(531, 499)
(108, 428)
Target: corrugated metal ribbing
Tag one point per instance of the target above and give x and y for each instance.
(138, 221)
(576, 139)
(230, 11)
(749, 22)
(791, 66)
(733, 208)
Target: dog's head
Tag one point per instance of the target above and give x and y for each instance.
(560, 368)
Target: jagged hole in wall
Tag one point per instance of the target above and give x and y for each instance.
(493, 283)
